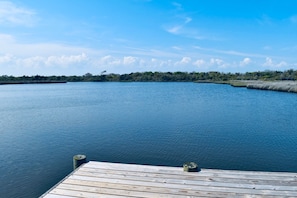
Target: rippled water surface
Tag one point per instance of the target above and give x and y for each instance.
(217, 126)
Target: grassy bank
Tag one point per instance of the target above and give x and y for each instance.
(284, 86)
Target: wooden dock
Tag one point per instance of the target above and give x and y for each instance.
(101, 179)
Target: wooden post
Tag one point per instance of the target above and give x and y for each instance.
(79, 160)
(190, 167)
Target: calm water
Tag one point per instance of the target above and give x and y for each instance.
(217, 126)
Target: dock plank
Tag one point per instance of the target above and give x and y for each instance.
(171, 170)
(170, 190)
(201, 177)
(198, 180)
(210, 188)
(233, 184)
(103, 179)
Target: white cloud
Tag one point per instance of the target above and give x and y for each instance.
(282, 64)
(66, 60)
(109, 60)
(219, 64)
(9, 61)
(54, 59)
(129, 60)
(216, 61)
(184, 61)
(214, 64)
(120, 61)
(268, 62)
(164, 63)
(6, 59)
(32, 62)
(245, 62)
(71, 63)
(11, 14)
(271, 64)
(199, 63)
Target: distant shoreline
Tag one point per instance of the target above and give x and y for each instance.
(30, 82)
(283, 86)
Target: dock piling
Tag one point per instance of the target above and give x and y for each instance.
(79, 160)
(190, 167)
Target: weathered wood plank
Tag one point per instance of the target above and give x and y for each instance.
(234, 184)
(157, 189)
(197, 177)
(172, 170)
(102, 179)
(118, 192)
(188, 187)
(256, 180)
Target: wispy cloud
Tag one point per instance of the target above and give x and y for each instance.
(176, 48)
(174, 29)
(230, 52)
(181, 29)
(178, 6)
(181, 25)
(152, 52)
(11, 14)
(178, 26)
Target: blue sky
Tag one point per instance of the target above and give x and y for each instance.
(55, 37)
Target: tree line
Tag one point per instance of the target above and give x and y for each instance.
(211, 76)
